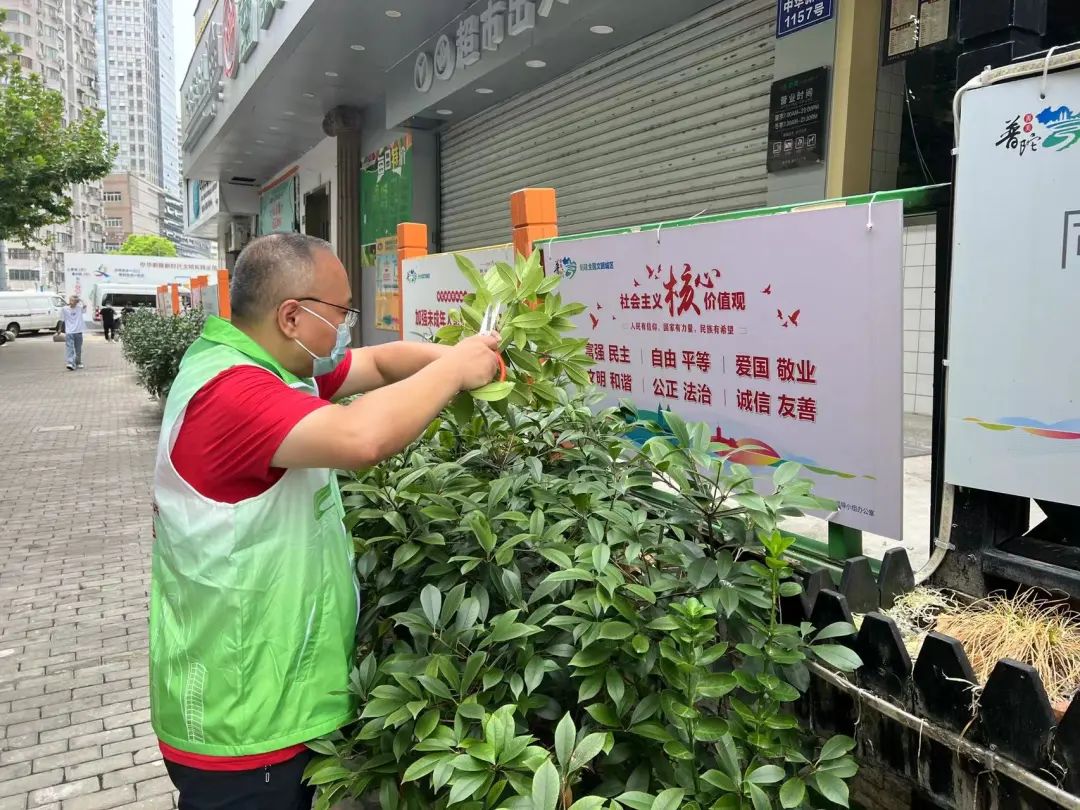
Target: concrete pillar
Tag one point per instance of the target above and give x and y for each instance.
(795, 54)
(854, 98)
(534, 217)
(412, 243)
(344, 123)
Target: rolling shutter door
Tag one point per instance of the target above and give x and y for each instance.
(656, 130)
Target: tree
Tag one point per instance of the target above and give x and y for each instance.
(41, 153)
(146, 245)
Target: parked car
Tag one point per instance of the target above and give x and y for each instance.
(28, 311)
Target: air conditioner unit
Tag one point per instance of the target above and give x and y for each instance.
(239, 235)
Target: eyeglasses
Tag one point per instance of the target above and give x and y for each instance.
(352, 316)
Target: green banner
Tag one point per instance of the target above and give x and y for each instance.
(277, 208)
(386, 190)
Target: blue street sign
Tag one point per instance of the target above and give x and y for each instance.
(793, 16)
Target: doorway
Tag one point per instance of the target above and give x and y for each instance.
(317, 213)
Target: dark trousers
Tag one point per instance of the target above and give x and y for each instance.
(277, 787)
(110, 329)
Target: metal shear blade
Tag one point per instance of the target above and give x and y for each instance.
(491, 317)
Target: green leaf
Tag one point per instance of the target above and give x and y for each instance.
(640, 644)
(831, 787)
(766, 775)
(423, 766)
(785, 474)
(397, 522)
(652, 731)
(790, 589)
(589, 803)
(711, 729)
(645, 709)
(570, 575)
(728, 757)
(641, 592)
(324, 747)
(405, 552)
(793, 793)
(534, 673)
(603, 714)
(560, 558)
(431, 602)
(837, 656)
(836, 747)
(636, 800)
(472, 711)
(594, 656)
(331, 773)
(493, 392)
(426, 724)
(565, 737)
(665, 623)
(615, 630)
(678, 750)
(844, 768)
(615, 686)
(533, 319)
(702, 572)
(466, 785)
(729, 600)
(669, 800)
(546, 787)
(720, 780)
(835, 630)
(439, 512)
(758, 797)
(472, 275)
(587, 750)
(499, 728)
(601, 555)
(472, 667)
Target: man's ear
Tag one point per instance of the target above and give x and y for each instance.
(288, 315)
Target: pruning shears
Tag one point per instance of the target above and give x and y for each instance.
(487, 326)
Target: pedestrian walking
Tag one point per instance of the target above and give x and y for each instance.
(74, 327)
(254, 600)
(108, 322)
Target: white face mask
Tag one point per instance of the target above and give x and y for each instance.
(324, 365)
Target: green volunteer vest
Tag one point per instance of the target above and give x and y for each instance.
(253, 606)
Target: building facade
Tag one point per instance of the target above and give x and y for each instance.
(132, 207)
(300, 117)
(635, 112)
(130, 80)
(57, 40)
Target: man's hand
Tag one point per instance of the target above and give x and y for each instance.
(478, 359)
(381, 424)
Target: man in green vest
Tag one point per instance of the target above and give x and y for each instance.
(254, 600)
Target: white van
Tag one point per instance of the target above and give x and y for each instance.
(119, 295)
(29, 311)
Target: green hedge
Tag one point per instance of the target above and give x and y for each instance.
(155, 344)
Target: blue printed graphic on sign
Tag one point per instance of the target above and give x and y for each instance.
(1053, 129)
(796, 15)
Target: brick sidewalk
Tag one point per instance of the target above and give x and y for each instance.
(76, 457)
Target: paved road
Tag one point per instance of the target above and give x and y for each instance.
(76, 456)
